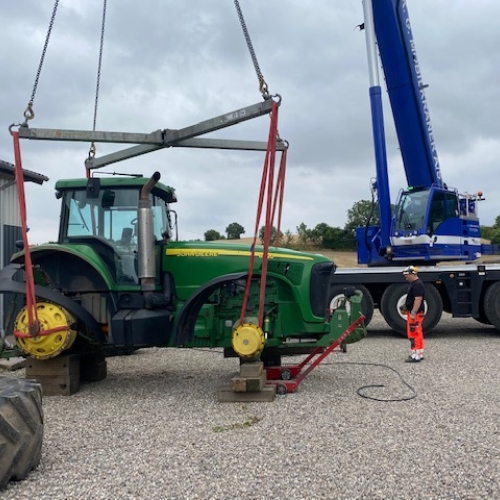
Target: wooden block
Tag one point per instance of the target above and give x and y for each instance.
(58, 385)
(59, 366)
(93, 367)
(266, 395)
(239, 384)
(256, 383)
(94, 372)
(253, 369)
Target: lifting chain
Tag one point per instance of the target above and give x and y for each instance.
(262, 83)
(29, 114)
(92, 149)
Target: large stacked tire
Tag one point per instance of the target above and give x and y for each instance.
(21, 428)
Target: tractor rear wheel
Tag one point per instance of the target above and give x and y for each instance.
(21, 428)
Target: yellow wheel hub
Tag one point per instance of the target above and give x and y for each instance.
(248, 340)
(49, 316)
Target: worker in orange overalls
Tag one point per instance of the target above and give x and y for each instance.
(414, 314)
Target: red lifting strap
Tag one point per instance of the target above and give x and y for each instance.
(266, 188)
(33, 324)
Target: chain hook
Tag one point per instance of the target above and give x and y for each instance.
(263, 88)
(29, 114)
(92, 151)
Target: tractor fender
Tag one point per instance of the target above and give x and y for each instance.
(184, 327)
(8, 285)
(101, 264)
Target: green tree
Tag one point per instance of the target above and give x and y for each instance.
(495, 236)
(212, 235)
(491, 233)
(304, 234)
(234, 231)
(318, 234)
(339, 239)
(288, 239)
(273, 235)
(360, 213)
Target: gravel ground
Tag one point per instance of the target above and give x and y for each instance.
(154, 429)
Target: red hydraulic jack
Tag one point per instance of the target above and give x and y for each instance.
(287, 378)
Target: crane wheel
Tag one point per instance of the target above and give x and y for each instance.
(248, 340)
(49, 316)
(21, 432)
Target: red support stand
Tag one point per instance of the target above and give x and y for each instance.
(288, 378)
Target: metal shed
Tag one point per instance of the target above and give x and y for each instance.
(10, 221)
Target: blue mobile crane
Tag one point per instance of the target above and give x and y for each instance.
(431, 222)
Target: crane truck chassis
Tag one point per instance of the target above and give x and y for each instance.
(464, 291)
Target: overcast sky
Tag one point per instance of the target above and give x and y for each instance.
(171, 64)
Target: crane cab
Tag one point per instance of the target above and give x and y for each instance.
(434, 224)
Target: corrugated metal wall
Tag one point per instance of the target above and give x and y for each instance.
(10, 234)
(10, 230)
(9, 204)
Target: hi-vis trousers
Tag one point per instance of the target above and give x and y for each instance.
(415, 333)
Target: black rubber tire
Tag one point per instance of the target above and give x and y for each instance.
(367, 306)
(492, 304)
(21, 428)
(394, 297)
(483, 320)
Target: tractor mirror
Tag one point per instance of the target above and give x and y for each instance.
(93, 188)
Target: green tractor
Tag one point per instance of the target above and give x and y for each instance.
(116, 281)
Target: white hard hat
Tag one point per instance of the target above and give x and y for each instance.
(410, 270)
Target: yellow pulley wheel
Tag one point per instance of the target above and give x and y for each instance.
(248, 340)
(50, 316)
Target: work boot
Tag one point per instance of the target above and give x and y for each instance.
(414, 359)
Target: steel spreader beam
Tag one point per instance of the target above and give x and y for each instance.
(48, 134)
(202, 143)
(159, 137)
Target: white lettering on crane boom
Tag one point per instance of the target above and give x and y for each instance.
(423, 99)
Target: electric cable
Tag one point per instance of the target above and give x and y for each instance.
(364, 387)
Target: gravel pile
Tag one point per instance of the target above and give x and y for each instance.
(154, 429)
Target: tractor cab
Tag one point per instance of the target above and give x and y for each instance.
(103, 214)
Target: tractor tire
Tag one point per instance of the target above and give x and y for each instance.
(21, 428)
(394, 297)
(367, 307)
(492, 304)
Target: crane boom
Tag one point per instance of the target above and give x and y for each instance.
(406, 93)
